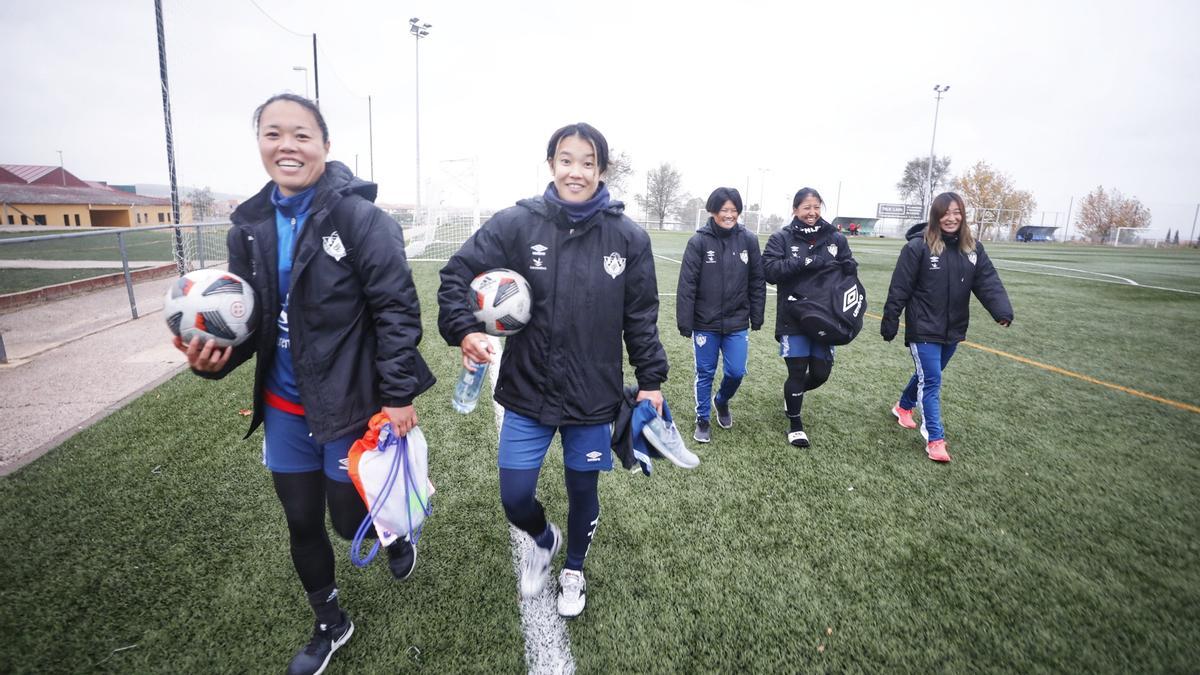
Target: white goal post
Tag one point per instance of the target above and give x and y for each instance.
(1136, 236)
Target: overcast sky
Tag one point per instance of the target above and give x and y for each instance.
(773, 96)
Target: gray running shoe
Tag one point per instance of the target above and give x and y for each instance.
(666, 439)
(724, 417)
(703, 431)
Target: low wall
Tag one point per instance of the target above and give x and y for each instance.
(65, 290)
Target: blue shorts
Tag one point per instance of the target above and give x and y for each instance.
(524, 442)
(791, 346)
(288, 447)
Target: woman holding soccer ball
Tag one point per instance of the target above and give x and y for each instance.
(792, 258)
(592, 274)
(938, 269)
(336, 341)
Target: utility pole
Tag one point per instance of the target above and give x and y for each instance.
(1192, 236)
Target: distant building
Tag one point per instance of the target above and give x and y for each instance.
(49, 195)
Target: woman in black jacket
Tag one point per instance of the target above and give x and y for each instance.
(591, 271)
(721, 291)
(336, 341)
(794, 255)
(938, 269)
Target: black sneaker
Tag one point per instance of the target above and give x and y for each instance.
(724, 417)
(325, 641)
(402, 558)
(703, 431)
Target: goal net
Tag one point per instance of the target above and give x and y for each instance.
(1136, 236)
(450, 212)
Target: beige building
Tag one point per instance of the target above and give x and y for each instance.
(49, 195)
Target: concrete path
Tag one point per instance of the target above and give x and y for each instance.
(72, 362)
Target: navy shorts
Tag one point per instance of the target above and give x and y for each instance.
(288, 447)
(791, 346)
(524, 442)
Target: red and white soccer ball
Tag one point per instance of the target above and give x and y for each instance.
(210, 304)
(502, 300)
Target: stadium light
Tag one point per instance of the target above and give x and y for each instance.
(418, 30)
(305, 71)
(940, 90)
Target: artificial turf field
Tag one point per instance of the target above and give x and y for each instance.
(1063, 536)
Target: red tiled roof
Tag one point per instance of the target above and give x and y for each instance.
(56, 194)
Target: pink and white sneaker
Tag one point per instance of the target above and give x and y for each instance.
(937, 451)
(903, 417)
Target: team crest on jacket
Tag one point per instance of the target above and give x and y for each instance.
(832, 248)
(971, 257)
(333, 246)
(745, 257)
(614, 264)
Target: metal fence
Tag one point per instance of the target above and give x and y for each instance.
(60, 264)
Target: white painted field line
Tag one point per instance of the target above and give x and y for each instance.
(1093, 275)
(547, 646)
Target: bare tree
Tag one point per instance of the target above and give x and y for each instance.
(664, 192)
(203, 203)
(915, 182)
(1102, 212)
(687, 212)
(996, 199)
(620, 168)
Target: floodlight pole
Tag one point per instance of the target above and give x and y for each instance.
(316, 75)
(940, 90)
(418, 30)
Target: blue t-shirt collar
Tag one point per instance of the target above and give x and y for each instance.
(295, 206)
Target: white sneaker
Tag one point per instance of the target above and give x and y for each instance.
(666, 439)
(536, 566)
(572, 593)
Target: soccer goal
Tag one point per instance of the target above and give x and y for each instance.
(1136, 236)
(452, 214)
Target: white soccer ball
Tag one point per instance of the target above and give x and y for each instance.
(502, 300)
(210, 304)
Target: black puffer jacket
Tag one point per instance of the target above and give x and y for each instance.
(794, 254)
(355, 321)
(721, 286)
(593, 284)
(935, 291)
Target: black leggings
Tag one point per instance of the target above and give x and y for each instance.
(303, 496)
(804, 374)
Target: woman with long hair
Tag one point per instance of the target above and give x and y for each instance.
(938, 270)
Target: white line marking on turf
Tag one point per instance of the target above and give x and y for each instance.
(547, 646)
(1123, 281)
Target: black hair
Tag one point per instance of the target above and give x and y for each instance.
(300, 101)
(805, 193)
(721, 195)
(588, 133)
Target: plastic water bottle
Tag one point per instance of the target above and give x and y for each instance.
(466, 390)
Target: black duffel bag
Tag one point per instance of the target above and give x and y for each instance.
(831, 306)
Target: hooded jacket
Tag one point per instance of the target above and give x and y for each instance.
(353, 313)
(593, 284)
(793, 256)
(935, 291)
(721, 286)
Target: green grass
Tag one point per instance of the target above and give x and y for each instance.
(139, 245)
(13, 280)
(1063, 536)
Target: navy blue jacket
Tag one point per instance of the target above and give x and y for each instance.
(935, 291)
(721, 286)
(355, 320)
(593, 285)
(792, 257)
